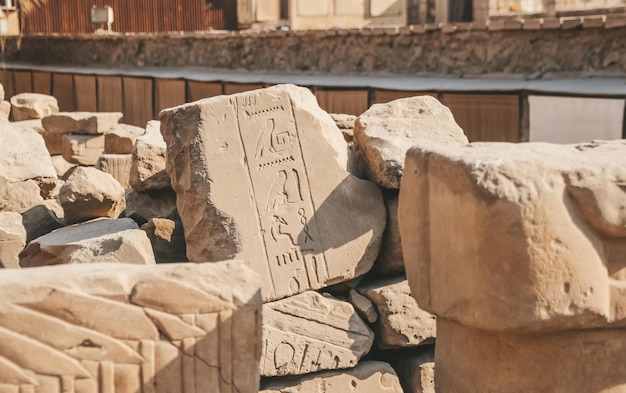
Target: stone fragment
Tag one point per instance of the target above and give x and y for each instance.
(251, 183)
(144, 206)
(147, 171)
(415, 368)
(390, 261)
(168, 240)
(100, 240)
(116, 165)
(5, 110)
(121, 138)
(90, 193)
(19, 197)
(346, 124)
(363, 306)
(367, 377)
(82, 149)
(62, 167)
(127, 328)
(2, 93)
(80, 122)
(40, 220)
(384, 133)
(308, 332)
(54, 142)
(25, 106)
(12, 239)
(401, 322)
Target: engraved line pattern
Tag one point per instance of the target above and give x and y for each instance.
(275, 163)
(262, 112)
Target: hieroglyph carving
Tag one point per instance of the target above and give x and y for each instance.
(107, 328)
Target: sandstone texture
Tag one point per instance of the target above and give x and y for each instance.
(126, 328)
(363, 306)
(390, 261)
(62, 167)
(167, 238)
(12, 239)
(5, 110)
(147, 171)
(144, 206)
(90, 193)
(121, 138)
(80, 122)
(345, 123)
(25, 106)
(303, 222)
(416, 370)
(384, 133)
(100, 240)
(116, 165)
(367, 377)
(82, 149)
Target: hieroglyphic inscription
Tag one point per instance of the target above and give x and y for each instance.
(278, 175)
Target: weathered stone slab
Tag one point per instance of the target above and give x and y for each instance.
(144, 206)
(82, 149)
(100, 240)
(12, 239)
(125, 328)
(401, 322)
(384, 133)
(116, 165)
(25, 106)
(147, 171)
(308, 332)
(363, 306)
(367, 377)
(40, 220)
(90, 193)
(80, 122)
(121, 138)
(167, 238)
(262, 176)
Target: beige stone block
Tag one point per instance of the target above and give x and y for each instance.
(127, 328)
(40, 220)
(80, 122)
(62, 167)
(12, 239)
(370, 377)
(384, 133)
(82, 149)
(346, 124)
(96, 241)
(517, 237)
(251, 183)
(401, 323)
(54, 142)
(144, 206)
(363, 306)
(309, 332)
(147, 171)
(167, 238)
(25, 106)
(90, 193)
(116, 165)
(121, 138)
(20, 196)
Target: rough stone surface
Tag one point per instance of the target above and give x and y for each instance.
(539, 226)
(126, 328)
(384, 133)
(147, 171)
(415, 368)
(308, 332)
(116, 165)
(62, 167)
(90, 193)
(401, 322)
(80, 122)
(144, 206)
(120, 138)
(40, 220)
(367, 377)
(168, 240)
(363, 306)
(82, 149)
(390, 261)
(346, 124)
(12, 239)
(100, 240)
(302, 221)
(25, 106)
(5, 110)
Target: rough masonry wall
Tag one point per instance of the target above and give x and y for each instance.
(570, 49)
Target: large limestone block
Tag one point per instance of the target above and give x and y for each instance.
(517, 237)
(384, 133)
(262, 176)
(309, 332)
(121, 138)
(100, 240)
(367, 377)
(147, 171)
(90, 193)
(125, 328)
(80, 122)
(82, 149)
(12, 239)
(168, 240)
(144, 206)
(401, 322)
(25, 106)
(116, 165)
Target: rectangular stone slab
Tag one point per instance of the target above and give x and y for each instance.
(124, 328)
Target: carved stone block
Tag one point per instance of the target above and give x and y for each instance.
(82, 149)
(25, 106)
(127, 328)
(147, 170)
(80, 122)
(117, 165)
(262, 176)
(120, 138)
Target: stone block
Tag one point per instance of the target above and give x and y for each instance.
(251, 183)
(121, 138)
(390, 261)
(82, 149)
(363, 306)
(116, 165)
(12, 239)
(127, 328)
(147, 171)
(25, 106)
(62, 167)
(5, 110)
(40, 220)
(308, 332)
(167, 238)
(415, 368)
(80, 122)
(144, 206)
